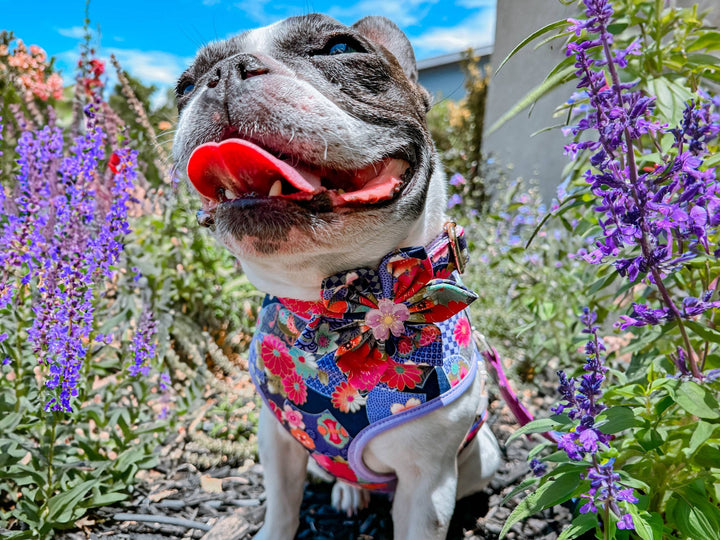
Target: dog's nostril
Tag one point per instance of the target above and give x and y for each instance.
(216, 79)
(247, 72)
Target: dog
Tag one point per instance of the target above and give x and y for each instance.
(307, 144)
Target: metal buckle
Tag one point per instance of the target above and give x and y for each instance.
(452, 237)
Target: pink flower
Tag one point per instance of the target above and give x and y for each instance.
(293, 417)
(462, 332)
(389, 317)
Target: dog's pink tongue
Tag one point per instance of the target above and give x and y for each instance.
(241, 167)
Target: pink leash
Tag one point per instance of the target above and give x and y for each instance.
(495, 367)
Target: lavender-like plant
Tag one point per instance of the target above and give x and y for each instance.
(655, 219)
(581, 402)
(57, 244)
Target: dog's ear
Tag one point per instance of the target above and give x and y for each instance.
(384, 32)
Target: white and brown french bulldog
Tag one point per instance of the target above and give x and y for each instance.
(307, 143)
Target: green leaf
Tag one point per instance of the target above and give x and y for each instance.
(61, 506)
(709, 41)
(580, 525)
(106, 499)
(552, 492)
(693, 516)
(705, 332)
(519, 489)
(708, 456)
(616, 419)
(649, 439)
(536, 93)
(544, 30)
(646, 524)
(697, 400)
(541, 425)
(700, 435)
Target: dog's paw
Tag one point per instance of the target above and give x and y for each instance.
(349, 499)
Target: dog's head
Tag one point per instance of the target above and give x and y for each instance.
(308, 138)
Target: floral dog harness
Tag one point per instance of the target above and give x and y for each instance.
(381, 347)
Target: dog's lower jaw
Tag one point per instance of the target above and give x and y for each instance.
(301, 276)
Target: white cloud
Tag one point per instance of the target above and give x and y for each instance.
(475, 31)
(152, 67)
(75, 32)
(255, 11)
(403, 13)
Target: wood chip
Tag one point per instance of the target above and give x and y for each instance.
(210, 484)
(160, 495)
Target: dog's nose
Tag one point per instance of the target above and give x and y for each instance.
(244, 65)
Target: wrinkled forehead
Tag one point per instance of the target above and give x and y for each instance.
(280, 39)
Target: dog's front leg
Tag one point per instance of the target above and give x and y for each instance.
(424, 501)
(284, 462)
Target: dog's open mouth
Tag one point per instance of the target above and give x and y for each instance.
(238, 169)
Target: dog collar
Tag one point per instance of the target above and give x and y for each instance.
(438, 260)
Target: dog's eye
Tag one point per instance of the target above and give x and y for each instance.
(187, 88)
(340, 44)
(341, 48)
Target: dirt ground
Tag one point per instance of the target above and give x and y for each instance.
(177, 500)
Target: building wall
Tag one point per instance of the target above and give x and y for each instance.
(446, 80)
(539, 157)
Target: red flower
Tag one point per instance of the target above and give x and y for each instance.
(295, 387)
(332, 431)
(428, 335)
(401, 376)
(337, 467)
(275, 355)
(405, 346)
(363, 365)
(277, 411)
(113, 162)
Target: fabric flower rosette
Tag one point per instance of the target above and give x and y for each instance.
(381, 317)
(379, 342)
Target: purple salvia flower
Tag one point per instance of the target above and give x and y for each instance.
(454, 200)
(605, 490)
(655, 219)
(457, 179)
(143, 347)
(537, 467)
(581, 401)
(55, 236)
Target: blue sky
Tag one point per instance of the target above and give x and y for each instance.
(155, 41)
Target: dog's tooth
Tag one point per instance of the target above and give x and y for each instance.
(276, 189)
(230, 194)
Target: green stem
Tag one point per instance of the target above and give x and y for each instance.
(51, 455)
(644, 245)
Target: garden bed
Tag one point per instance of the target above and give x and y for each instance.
(186, 501)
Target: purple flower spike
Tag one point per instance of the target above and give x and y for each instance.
(58, 241)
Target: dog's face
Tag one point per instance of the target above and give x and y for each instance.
(322, 137)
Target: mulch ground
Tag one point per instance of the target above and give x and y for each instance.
(177, 500)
